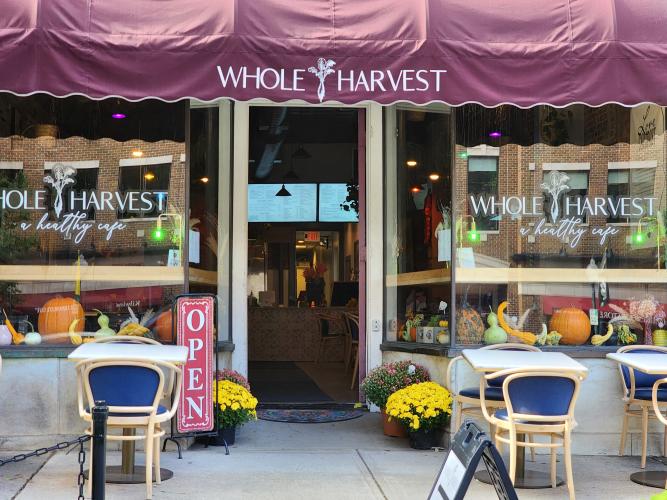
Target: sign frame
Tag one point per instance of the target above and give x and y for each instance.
(175, 432)
(470, 445)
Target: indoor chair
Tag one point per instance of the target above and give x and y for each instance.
(132, 390)
(537, 402)
(637, 388)
(324, 321)
(353, 321)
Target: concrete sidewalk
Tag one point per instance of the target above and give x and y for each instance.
(346, 460)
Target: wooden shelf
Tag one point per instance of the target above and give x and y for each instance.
(494, 275)
(162, 274)
(559, 275)
(430, 277)
(203, 277)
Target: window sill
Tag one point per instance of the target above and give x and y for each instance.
(439, 350)
(62, 351)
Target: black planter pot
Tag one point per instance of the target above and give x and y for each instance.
(227, 434)
(424, 439)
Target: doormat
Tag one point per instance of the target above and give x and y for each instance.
(308, 416)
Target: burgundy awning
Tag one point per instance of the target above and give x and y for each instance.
(455, 51)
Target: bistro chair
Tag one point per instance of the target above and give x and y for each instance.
(657, 395)
(637, 389)
(132, 390)
(351, 337)
(324, 323)
(537, 402)
(468, 399)
(353, 321)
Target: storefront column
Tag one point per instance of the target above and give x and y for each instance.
(239, 309)
(374, 235)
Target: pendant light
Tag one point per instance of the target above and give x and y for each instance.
(301, 154)
(283, 192)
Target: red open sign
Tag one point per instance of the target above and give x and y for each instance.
(194, 329)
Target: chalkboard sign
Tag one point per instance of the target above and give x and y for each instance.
(469, 445)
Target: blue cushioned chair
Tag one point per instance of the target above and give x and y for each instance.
(536, 402)
(468, 399)
(133, 391)
(637, 390)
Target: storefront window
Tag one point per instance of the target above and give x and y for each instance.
(210, 202)
(92, 212)
(418, 227)
(559, 217)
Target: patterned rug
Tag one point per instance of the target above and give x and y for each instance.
(308, 416)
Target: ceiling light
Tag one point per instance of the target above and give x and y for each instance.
(204, 179)
(434, 176)
(300, 241)
(118, 116)
(411, 163)
(283, 192)
(495, 134)
(149, 176)
(137, 153)
(415, 189)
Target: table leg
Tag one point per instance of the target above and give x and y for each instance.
(128, 472)
(127, 454)
(525, 478)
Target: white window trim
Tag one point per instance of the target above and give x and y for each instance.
(150, 160)
(48, 165)
(483, 150)
(11, 165)
(567, 166)
(628, 165)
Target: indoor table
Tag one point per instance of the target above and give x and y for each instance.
(651, 364)
(128, 472)
(492, 360)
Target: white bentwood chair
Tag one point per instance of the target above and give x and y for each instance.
(537, 402)
(133, 391)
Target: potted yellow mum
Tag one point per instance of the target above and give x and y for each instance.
(424, 409)
(235, 406)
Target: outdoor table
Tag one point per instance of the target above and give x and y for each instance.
(127, 472)
(653, 364)
(492, 360)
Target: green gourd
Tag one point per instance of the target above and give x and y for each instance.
(494, 334)
(103, 321)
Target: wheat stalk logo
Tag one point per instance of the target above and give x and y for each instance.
(62, 176)
(555, 183)
(324, 69)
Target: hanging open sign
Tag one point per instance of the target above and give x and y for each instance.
(194, 329)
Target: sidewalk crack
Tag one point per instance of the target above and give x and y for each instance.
(372, 475)
(32, 476)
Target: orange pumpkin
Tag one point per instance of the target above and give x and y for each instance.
(56, 316)
(573, 324)
(162, 326)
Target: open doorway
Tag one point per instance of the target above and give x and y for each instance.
(303, 254)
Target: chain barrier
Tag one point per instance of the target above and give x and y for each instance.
(63, 445)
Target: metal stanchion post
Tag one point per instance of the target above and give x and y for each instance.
(98, 471)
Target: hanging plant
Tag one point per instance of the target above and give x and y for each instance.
(351, 202)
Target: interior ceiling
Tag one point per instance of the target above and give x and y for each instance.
(148, 120)
(276, 132)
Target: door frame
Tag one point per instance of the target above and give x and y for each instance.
(371, 257)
